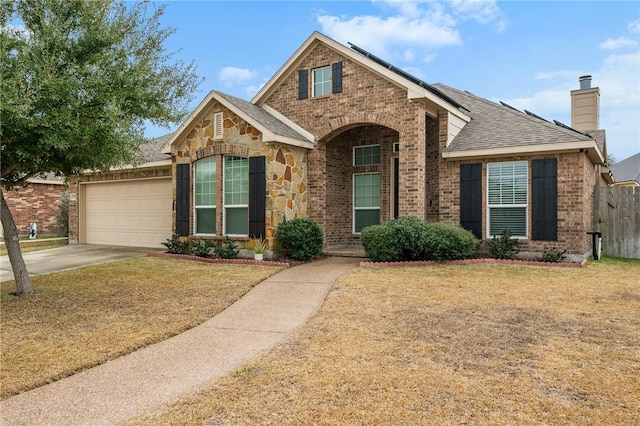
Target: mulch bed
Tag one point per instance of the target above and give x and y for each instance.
(284, 262)
(517, 262)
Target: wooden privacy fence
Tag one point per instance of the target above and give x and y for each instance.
(618, 215)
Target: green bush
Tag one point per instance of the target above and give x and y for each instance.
(228, 250)
(202, 248)
(410, 238)
(177, 245)
(407, 236)
(504, 246)
(448, 242)
(375, 240)
(303, 237)
(552, 255)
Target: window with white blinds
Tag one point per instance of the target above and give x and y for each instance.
(366, 200)
(205, 199)
(507, 198)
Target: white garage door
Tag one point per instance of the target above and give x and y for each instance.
(128, 213)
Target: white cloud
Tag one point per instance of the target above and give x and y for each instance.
(233, 75)
(617, 43)
(383, 35)
(634, 26)
(410, 29)
(483, 12)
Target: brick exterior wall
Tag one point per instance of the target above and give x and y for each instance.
(368, 103)
(37, 202)
(576, 183)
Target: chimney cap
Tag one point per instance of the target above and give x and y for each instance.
(585, 81)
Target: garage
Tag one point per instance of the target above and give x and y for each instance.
(126, 212)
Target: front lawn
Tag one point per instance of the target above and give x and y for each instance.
(81, 318)
(475, 344)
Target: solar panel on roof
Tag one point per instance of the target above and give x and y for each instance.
(406, 75)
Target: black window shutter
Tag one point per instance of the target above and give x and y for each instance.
(183, 187)
(544, 199)
(257, 197)
(303, 84)
(336, 77)
(471, 198)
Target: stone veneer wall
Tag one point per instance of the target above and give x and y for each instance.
(36, 202)
(286, 167)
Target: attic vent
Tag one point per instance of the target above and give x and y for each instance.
(396, 147)
(217, 125)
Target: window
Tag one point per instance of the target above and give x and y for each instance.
(366, 200)
(507, 198)
(366, 155)
(321, 81)
(205, 196)
(236, 196)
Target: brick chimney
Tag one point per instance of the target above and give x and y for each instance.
(585, 106)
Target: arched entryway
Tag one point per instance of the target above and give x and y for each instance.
(357, 185)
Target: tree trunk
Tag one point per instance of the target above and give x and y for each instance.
(12, 241)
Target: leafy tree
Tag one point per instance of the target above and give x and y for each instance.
(80, 78)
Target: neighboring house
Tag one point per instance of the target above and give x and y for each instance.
(37, 202)
(342, 137)
(627, 171)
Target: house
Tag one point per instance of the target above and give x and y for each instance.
(347, 139)
(627, 171)
(37, 202)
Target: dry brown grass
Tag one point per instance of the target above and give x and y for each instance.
(81, 318)
(484, 344)
(26, 247)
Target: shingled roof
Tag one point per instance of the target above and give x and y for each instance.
(264, 118)
(627, 170)
(496, 125)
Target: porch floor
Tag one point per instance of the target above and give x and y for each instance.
(345, 251)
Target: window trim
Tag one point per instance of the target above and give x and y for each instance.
(226, 206)
(353, 200)
(323, 82)
(498, 206)
(366, 146)
(195, 206)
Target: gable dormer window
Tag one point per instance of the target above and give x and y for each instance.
(321, 81)
(324, 81)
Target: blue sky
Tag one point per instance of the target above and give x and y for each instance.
(528, 54)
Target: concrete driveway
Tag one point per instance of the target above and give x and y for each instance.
(70, 257)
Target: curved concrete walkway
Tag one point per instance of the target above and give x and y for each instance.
(139, 383)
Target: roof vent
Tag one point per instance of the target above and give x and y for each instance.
(585, 82)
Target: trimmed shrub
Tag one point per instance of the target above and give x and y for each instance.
(303, 237)
(201, 248)
(177, 245)
(444, 241)
(407, 236)
(375, 240)
(504, 246)
(228, 250)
